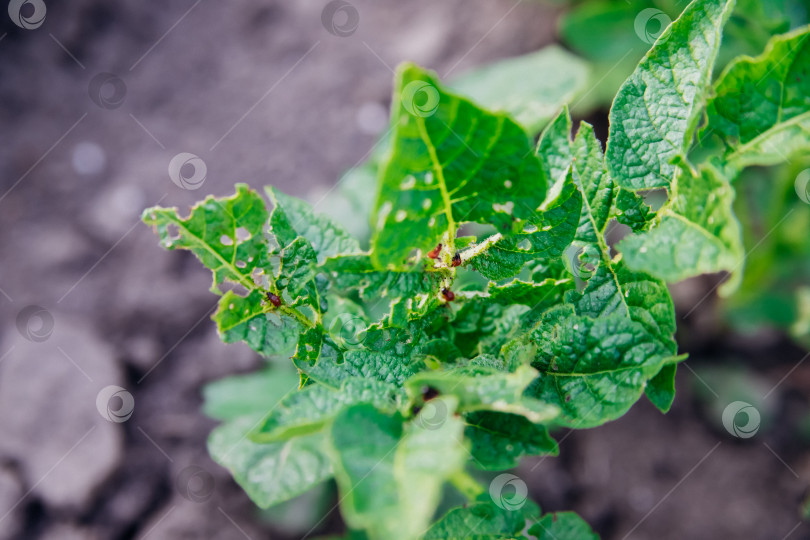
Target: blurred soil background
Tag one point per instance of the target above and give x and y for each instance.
(265, 95)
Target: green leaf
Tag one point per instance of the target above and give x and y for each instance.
(654, 115)
(327, 238)
(562, 526)
(531, 88)
(777, 145)
(761, 106)
(307, 410)
(479, 388)
(358, 272)
(389, 475)
(499, 440)
(554, 147)
(696, 233)
(631, 210)
(597, 187)
(482, 520)
(503, 256)
(538, 296)
(269, 473)
(248, 319)
(228, 237)
(614, 288)
(594, 370)
(215, 232)
(320, 358)
(661, 388)
(239, 395)
(451, 162)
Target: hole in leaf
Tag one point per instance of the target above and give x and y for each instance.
(240, 264)
(400, 216)
(506, 207)
(226, 240)
(408, 183)
(173, 230)
(242, 234)
(529, 228)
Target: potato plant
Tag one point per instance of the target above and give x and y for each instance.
(489, 306)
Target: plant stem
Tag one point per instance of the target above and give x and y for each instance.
(467, 485)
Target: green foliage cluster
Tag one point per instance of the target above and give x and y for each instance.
(489, 305)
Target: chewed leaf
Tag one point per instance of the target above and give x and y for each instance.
(320, 358)
(484, 389)
(451, 162)
(358, 272)
(225, 234)
(327, 238)
(247, 319)
(697, 233)
(655, 114)
(553, 228)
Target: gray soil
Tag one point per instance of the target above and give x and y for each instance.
(265, 95)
